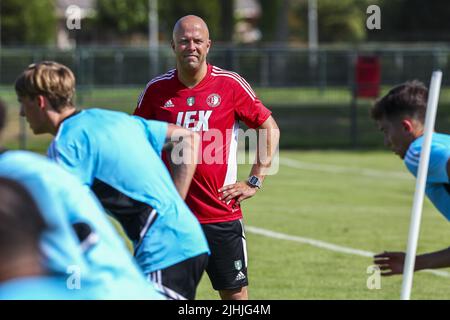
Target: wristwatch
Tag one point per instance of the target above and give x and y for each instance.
(254, 182)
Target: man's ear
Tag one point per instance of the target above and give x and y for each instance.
(209, 46)
(41, 101)
(408, 125)
(172, 44)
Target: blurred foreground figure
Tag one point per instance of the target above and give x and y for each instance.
(70, 241)
(22, 276)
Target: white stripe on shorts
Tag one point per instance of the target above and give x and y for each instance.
(244, 243)
(156, 278)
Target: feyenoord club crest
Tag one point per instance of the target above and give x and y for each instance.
(190, 101)
(213, 100)
(238, 264)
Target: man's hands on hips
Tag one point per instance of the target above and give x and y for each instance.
(238, 191)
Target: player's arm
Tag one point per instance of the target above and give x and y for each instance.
(433, 260)
(182, 147)
(391, 263)
(269, 133)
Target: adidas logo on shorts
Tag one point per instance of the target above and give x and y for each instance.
(240, 276)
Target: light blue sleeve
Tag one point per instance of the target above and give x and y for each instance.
(156, 132)
(60, 244)
(77, 155)
(437, 169)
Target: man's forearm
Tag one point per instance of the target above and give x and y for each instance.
(182, 176)
(433, 260)
(183, 161)
(268, 139)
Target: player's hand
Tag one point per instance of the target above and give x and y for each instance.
(390, 263)
(238, 191)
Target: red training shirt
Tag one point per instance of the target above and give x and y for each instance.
(212, 108)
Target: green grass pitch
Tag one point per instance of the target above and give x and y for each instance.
(363, 211)
(331, 196)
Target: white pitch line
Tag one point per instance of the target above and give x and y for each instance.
(339, 169)
(325, 245)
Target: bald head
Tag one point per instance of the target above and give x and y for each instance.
(190, 22)
(191, 45)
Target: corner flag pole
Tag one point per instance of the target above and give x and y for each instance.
(416, 214)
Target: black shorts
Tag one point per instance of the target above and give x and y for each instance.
(227, 264)
(180, 281)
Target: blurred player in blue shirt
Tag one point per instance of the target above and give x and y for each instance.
(400, 115)
(118, 156)
(82, 255)
(22, 276)
(80, 243)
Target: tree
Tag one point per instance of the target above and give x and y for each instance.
(27, 22)
(123, 16)
(268, 24)
(209, 10)
(411, 20)
(226, 20)
(282, 32)
(342, 20)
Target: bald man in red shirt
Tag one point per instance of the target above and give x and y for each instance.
(211, 101)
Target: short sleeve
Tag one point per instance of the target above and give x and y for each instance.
(437, 166)
(76, 155)
(155, 131)
(248, 107)
(143, 106)
(437, 169)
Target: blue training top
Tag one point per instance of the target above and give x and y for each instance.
(438, 183)
(118, 155)
(98, 264)
(38, 288)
